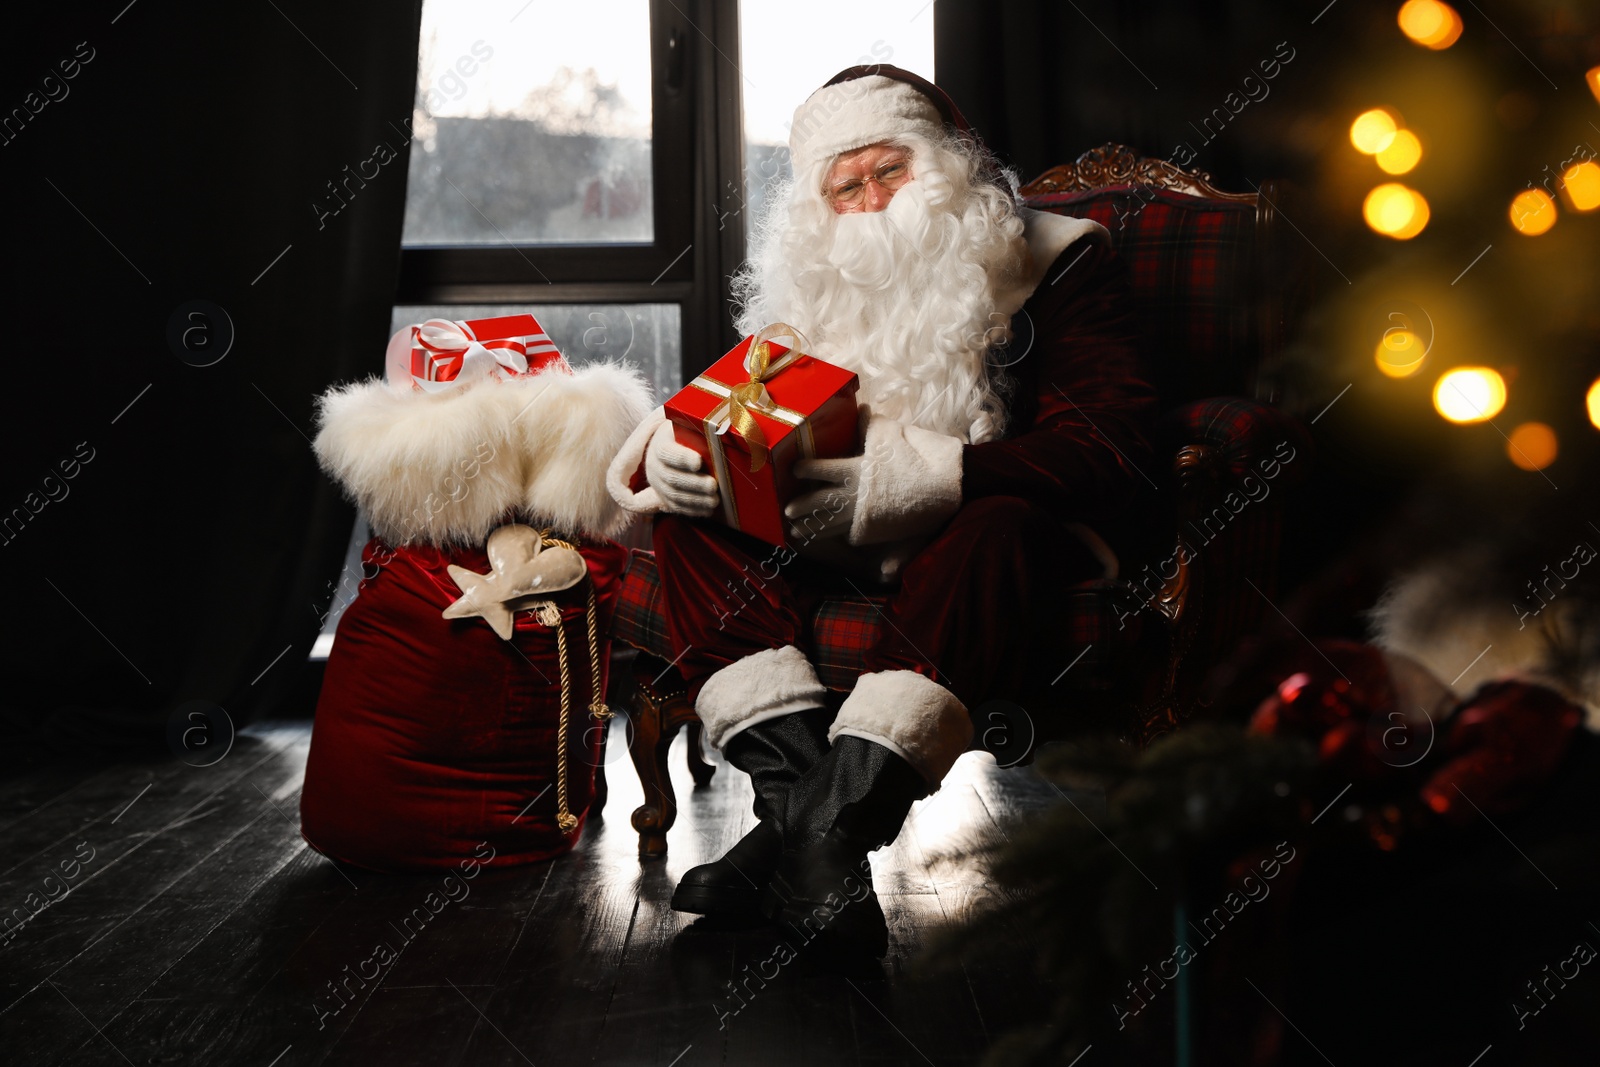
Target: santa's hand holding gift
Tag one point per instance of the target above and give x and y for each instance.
(457, 718)
(902, 254)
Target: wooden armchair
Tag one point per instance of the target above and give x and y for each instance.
(1211, 281)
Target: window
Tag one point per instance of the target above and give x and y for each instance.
(565, 155)
(598, 164)
(533, 128)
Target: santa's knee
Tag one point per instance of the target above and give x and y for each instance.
(669, 532)
(1000, 538)
(1006, 516)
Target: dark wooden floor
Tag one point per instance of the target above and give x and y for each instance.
(196, 927)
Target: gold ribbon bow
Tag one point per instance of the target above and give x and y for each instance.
(745, 396)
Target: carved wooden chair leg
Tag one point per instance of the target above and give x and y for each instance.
(699, 769)
(661, 707)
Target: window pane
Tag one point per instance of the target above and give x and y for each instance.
(531, 124)
(648, 335)
(816, 41)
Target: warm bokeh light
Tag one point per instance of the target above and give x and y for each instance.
(1533, 212)
(1402, 154)
(1396, 211)
(1419, 217)
(1532, 446)
(1593, 78)
(1469, 394)
(1581, 183)
(1593, 402)
(1400, 353)
(1372, 131)
(1430, 23)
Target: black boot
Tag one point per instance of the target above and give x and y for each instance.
(853, 801)
(774, 754)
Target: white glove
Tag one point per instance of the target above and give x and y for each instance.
(671, 468)
(829, 511)
(908, 483)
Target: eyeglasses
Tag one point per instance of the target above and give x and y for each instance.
(890, 176)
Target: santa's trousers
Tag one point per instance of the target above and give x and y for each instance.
(975, 610)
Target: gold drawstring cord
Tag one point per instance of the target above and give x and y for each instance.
(550, 615)
(597, 705)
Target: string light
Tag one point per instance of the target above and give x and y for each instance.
(1532, 446)
(1430, 23)
(1581, 184)
(1532, 212)
(1402, 153)
(1396, 211)
(1593, 78)
(1372, 131)
(1592, 401)
(1469, 394)
(1400, 353)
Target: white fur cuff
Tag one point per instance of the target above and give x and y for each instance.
(913, 716)
(910, 482)
(627, 460)
(761, 686)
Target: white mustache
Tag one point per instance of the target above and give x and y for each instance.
(865, 243)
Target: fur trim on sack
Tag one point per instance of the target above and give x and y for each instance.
(913, 716)
(761, 686)
(445, 468)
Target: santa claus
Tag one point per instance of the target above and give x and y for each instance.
(1004, 408)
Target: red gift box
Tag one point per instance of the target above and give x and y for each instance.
(510, 345)
(757, 410)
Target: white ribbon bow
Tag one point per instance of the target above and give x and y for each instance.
(445, 336)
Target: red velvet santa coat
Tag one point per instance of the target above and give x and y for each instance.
(974, 609)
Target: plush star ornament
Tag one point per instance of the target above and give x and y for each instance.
(522, 572)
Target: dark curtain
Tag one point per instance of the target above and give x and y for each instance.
(168, 536)
(1043, 82)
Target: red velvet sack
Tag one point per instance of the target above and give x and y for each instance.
(434, 735)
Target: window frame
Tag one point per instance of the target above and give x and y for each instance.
(696, 161)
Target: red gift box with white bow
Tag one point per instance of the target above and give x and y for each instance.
(445, 353)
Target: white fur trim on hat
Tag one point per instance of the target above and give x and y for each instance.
(761, 686)
(445, 468)
(851, 114)
(913, 716)
(910, 481)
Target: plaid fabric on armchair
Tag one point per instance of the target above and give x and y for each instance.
(1208, 279)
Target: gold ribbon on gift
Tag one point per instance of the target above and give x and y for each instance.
(748, 397)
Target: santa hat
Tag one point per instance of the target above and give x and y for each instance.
(864, 105)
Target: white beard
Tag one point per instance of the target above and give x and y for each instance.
(908, 297)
